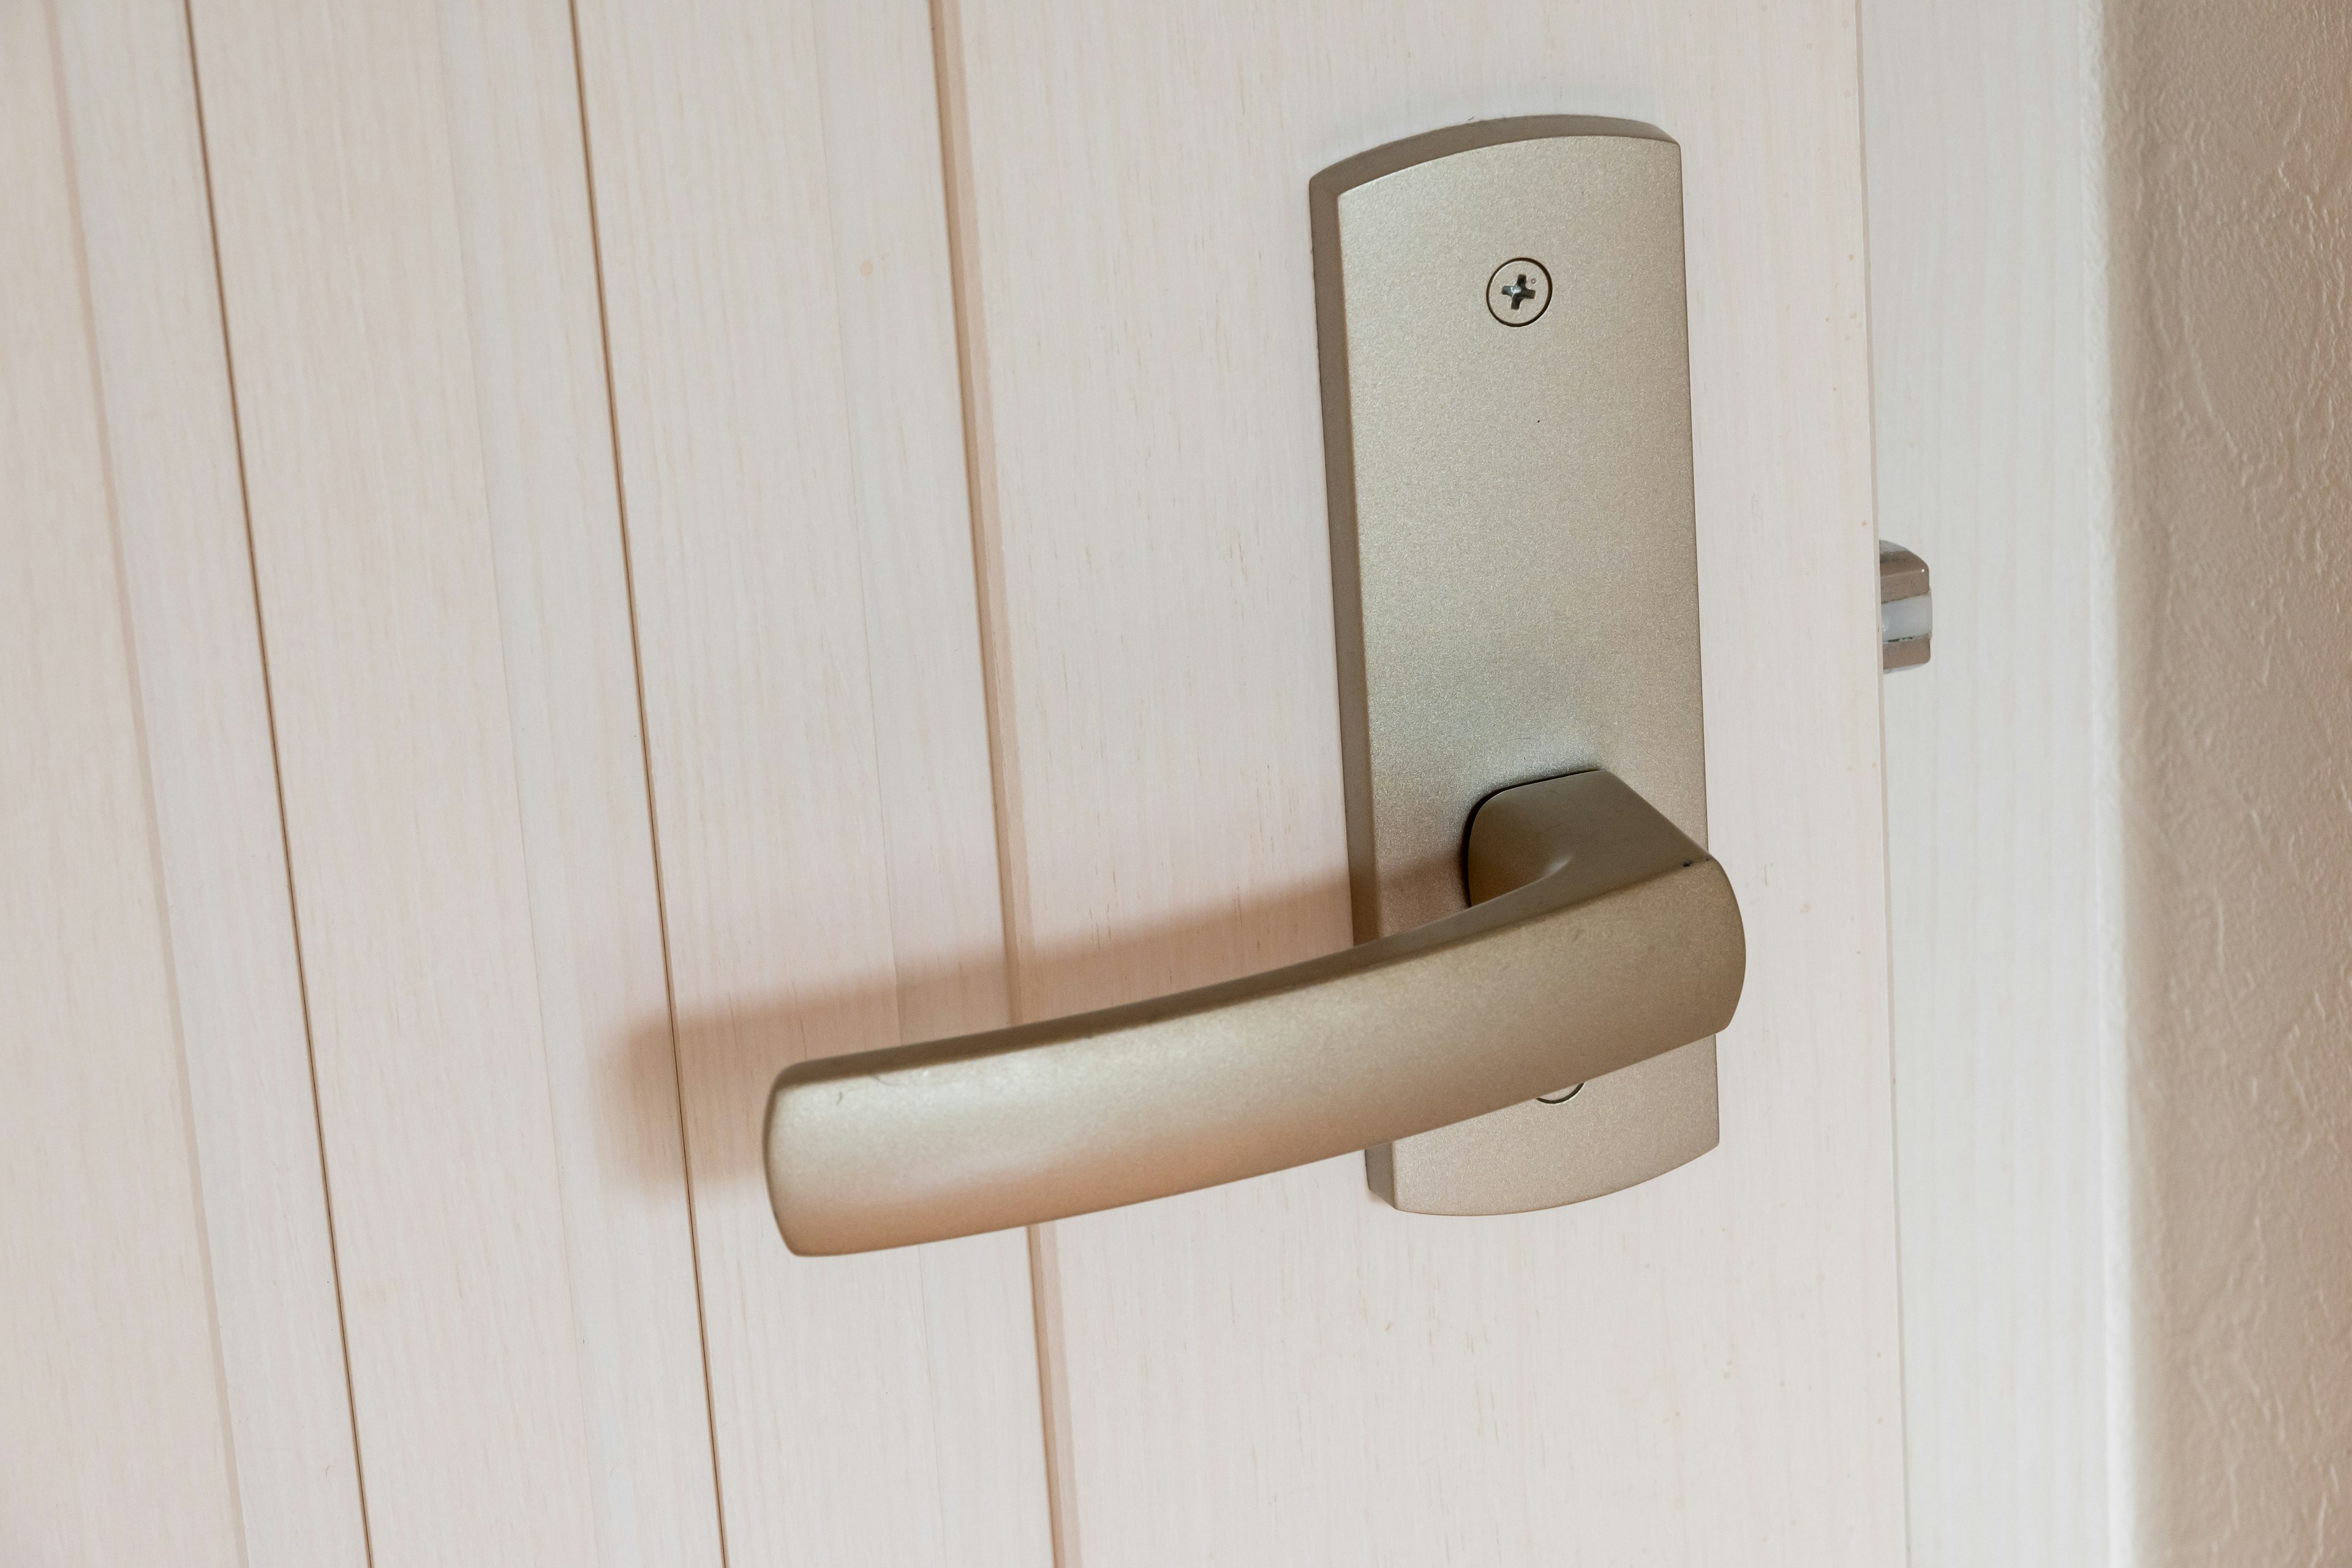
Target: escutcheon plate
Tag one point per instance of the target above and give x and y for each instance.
(1514, 563)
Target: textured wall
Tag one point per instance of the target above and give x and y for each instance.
(2231, 180)
(2111, 294)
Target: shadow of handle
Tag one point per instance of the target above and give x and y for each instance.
(1604, 937)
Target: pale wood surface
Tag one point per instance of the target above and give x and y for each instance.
(172, 445)
(410, 286)
(511, 87)
(466, 617)
(114, 1434)
(783, 362)
(1986, 293)
(1703, 1370)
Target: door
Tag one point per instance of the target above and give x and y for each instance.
(572, 558)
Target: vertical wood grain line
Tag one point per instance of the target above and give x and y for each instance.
(644, 757)
(980, 474)
(128, 630)
(1053, 1393)
(1861, 123)
(988, 572)
(277, 773)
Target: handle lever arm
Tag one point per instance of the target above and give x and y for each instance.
(1600, 936)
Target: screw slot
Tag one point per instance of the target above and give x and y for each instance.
(1518, 293)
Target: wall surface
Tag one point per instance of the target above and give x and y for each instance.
(2231, 184)
(2109, 301)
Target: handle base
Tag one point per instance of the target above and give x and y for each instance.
(1619, 1130)
(1514, 562)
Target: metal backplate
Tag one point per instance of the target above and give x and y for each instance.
(1513, 561)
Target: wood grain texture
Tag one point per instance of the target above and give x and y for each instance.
(115, 1437)
(409, 275)
(774, 244)
(1702, 1370)
(1988, 298)
(171, 440)
(520, 162)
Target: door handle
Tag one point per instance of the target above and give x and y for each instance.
(1505, 366)
(1599, 935)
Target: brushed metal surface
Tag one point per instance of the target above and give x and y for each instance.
(1610, 937)
(1513, 564)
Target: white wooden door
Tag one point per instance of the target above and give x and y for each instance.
(562, 559)
(1700, 1370)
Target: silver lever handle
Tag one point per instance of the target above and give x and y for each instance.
(1598, 936)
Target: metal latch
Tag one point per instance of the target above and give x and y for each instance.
(1904, 616)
